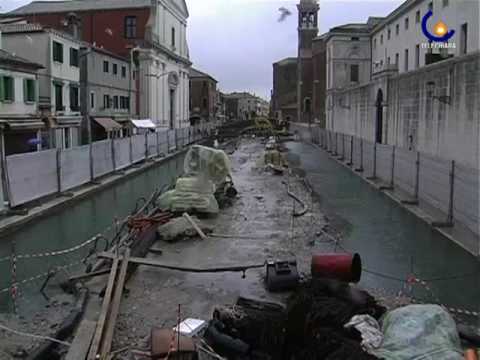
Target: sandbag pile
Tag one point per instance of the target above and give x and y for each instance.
(206, 170)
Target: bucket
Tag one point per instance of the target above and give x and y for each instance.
(344, 267)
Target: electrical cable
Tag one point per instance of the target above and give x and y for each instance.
(21, 333)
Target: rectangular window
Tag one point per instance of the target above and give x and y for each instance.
(445, 3)
(173, 37)
(354, 73)
(106, 67)
(92, 100)
(406, 23)
(115, 69)
(430, 6)
(7, 88)
(406, 60)
(389, 34)
(374, 43)
(73, 57)
(115, 102)
(417, 56)
(106, 101)
(58, 88)
(74, 104)
(381, 39)
(397, 29)
(124, 71)
(397, 59)
(355, 38)
(463, 39)
(388, 60)
(130, 27)
(57, 52)
(29, 86)
(417, 17)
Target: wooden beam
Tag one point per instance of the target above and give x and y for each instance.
(115, 307)
(195, 226)
(155, 263)
(81, 342)
(92, 355)
(88, 275)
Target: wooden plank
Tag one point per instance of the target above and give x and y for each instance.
(156, 263)
(92, 355)
(195, 226)
(81, 342)
(88, 275)
(115, 307)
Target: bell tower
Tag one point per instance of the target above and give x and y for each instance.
(307, 31)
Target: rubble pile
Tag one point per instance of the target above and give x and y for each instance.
(310, 327)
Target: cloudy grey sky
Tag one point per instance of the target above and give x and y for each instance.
(236, 41)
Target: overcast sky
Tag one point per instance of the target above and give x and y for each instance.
(236, 41)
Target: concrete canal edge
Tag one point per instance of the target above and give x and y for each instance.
(12, 223)
(413, 209)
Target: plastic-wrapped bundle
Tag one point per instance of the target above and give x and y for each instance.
(207, 164)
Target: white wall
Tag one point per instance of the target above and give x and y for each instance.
(456, 13)
(169, 17)
(19, 106)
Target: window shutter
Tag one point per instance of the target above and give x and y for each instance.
(2, 89)
(12, 81)
(34, 90)
(25, 90)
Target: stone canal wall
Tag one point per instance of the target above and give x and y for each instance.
(32, 176)
(444, 189)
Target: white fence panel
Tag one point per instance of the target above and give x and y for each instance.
(163, 142)
(405, 170)
(32, 176)
(466, 197)
(122, 153)
(368, 154)
(434, 183)
(138, 148)
(102, 158)
(152, 145)
(74, 167)
(384, 162)
(357, 153)
(348, 147)
(172, 142)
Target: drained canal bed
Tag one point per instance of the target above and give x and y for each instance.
(394, 244)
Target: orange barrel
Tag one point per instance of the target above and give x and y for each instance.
(344, 267)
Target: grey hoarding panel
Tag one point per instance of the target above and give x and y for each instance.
(122, 153)
(171, 139)
(434, 182)
(163, 141)
(466, 197)
(384, 162)
(32, 176)
(102, 158)
(405, 170)
(138, 148)
(152, 145)
(357, 152)
(348, 146)
(368, 158)
(74, 167)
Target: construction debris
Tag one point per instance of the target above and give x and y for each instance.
(181, 228)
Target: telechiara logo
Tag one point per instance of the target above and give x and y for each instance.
(440, 29)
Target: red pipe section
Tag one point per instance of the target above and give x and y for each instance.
(344, 267)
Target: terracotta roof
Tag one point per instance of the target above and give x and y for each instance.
(37, 7)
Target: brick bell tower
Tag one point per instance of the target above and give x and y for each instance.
(307, 31)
